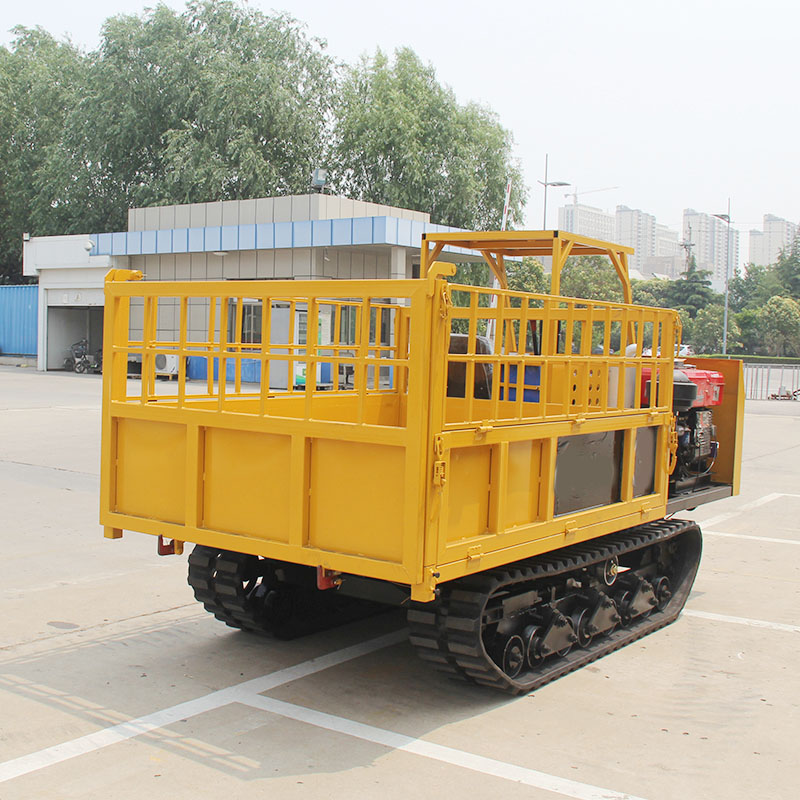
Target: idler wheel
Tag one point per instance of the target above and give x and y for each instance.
(663, 592)
(513, 656)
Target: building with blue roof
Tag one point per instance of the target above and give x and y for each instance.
(314, 236)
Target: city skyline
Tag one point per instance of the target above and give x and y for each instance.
(659, 249)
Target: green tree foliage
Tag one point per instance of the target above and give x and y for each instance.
(754, 288)
(707, 329)
(780, 323)
(653, 292)
(693, 292)
(788, 269)
(751, 336)
(41, 82)
(592, 277)
(401, 138)
(219, 102)
(528, 276)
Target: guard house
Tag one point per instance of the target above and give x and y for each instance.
(314, 236)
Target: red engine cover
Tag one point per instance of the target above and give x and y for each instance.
(709, 386)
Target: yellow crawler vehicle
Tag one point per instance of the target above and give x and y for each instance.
(503, 464)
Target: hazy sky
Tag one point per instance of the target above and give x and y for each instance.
(679, 104)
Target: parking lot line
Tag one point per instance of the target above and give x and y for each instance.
(49, 756)
(752, 623)
(753, 538)
(437, 752)
(248, 693)
(767, 498)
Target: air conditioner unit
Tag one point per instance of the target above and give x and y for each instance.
(166, 364)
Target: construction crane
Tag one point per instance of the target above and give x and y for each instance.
(574, 195)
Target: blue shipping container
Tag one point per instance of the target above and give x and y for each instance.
(19, 323)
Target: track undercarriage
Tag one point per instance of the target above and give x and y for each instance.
(513, 628)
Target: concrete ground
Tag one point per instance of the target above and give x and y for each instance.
(114, 683)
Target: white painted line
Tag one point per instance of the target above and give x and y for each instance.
(753, 623)
(754, 538)
(437, 752)
(191, 708)
(767, 498)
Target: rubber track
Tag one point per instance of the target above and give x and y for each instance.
(448, 633)
(205, 581)
(219, 578)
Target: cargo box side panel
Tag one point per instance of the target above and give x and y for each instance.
(151, 470)
(523, 482)
(246, 488)
(469, 483)
(357, 493)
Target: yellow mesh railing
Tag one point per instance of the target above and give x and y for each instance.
(534, 357)
(269, 348)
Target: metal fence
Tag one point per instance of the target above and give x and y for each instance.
(18, 319)
(772, 381)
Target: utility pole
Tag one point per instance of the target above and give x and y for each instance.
(547, 183)
(726, 218)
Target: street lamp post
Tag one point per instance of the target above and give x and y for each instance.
(547, 183)
(726, 218)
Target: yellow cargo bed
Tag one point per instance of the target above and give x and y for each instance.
(412, 431)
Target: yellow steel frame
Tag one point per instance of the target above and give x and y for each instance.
(389, 478)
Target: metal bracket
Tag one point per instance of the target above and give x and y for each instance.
(172, 548)
(328, 578)
(440, 473)
(438, 445)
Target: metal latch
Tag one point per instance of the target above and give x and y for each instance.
(440, 473)
(446, 302)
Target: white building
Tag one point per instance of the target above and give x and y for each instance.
(304, 236)
(765, 245)
(709, 235)
(587, 221)
(636, 229)
(667, 261)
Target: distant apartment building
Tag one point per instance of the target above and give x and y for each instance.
(766, 245)
(667, 261)
(587, 221)
(636, 229)
(709, 235)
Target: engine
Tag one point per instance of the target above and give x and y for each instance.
(695, 393)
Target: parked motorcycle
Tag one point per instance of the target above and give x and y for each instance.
(81, 361)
